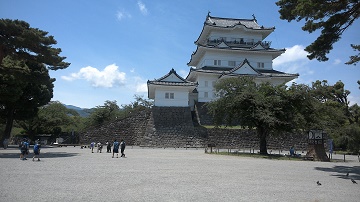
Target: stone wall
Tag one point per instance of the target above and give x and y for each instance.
(173, 127)
(240, 139)
(131, 129)
(202, 115)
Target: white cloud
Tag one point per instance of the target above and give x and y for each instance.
(107, 78)
(141, 88)
(292, 54)
(142, 8)
(122, 15)
(139, 84)
(183, 73)
(337, 61)
(294, 60)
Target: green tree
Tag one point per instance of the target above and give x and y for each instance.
(52, 118)
(335, 115)
(110, 111)
(139, 104)
(332, 17)
(354, 58)
(26, 55)
(263, 107)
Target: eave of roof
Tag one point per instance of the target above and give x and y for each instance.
(266, 51)
(167, 83)
(231, 23)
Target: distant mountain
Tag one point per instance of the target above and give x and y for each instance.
(83, 112)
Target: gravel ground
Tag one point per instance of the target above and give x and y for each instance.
(146, 174)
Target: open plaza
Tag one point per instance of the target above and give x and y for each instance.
(158, 174)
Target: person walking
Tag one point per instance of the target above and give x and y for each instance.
(108, 147)
(36, 151)
(122, 147)
(92, 145)
(99, 147)
(116, 148)
(24, 149)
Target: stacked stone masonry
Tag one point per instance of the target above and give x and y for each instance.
(174, 127)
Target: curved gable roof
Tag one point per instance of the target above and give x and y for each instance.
(172, 79)
(244, 68)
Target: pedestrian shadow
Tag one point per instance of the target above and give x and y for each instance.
(42, 155)
(341, 171)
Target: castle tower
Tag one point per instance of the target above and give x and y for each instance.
(229, 47)
(226, 47)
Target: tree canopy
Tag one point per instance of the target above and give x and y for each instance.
(23, 43)
(332, 17)
(26, 56)
(277, 109)
(264, 107)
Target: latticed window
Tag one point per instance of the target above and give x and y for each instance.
(231, 63)
(169, 95)
(217, 62)
(260, 65)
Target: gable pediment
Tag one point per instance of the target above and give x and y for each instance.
(222, 45)
(245, 69)
(172, 78)
(258, 46)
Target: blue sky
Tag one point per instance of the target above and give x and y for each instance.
(115, 46)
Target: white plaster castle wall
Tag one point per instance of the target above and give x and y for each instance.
(206, 82)
(181, 97)
(236, 33)
(253, 58)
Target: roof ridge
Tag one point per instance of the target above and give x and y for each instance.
(223, 18)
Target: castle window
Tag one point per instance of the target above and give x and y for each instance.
(206, 94)
(206, 83)
(169, 95)
(260, 65)
(217, 62)
(231, 63)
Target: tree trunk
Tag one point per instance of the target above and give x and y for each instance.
(9, 125)
(262, 133)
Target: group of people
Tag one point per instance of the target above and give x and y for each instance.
(116, 146)
(24, 149)
(99, 147)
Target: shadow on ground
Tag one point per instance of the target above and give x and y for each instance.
(44, 155)
(341, 171)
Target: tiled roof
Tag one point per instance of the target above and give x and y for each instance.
(241, 48)
(167, 83)
(229, 71)
(232, 22)
(172, 83)
(275, 73)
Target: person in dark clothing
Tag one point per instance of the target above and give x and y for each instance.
(36, 151)
(116, 148)
(122, 147)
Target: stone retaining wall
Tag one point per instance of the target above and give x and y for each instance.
(173, 127)
(131, 129)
